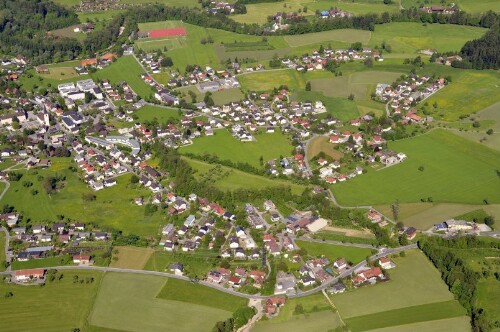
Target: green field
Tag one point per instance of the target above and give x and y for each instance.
(470, 6)
(414, 276)
(488, 295)
(323, 321)
(2, 252)
(341, 35)
(456, 324)
(129, 302)
(196, 263)
(333, 252)
(236, 179)
(341, 108)
(220, 97)
(268, 80)
(130, 257)
(58, 306)
(113, 207)
(179, 290)
(226, 147)
(161, 114)
(463, 173)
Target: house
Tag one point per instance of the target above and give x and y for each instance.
(411, 232)
(386, 263)
(28, 275)
(177, 268)
(234, 281)
(369, 275)
(81, 259)
(337, 288)
(374, 216)
(215, 277)
(340, 264)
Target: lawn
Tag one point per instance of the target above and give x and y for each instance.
(408, 37)
(470, 92)
(125, 69)
(407, 315)
(465, 172)
(138, 308)
(342, 35)
(267, 80)
(414, 276)
(180, 290)
(456, 324)
(226, 147)
(58, 306)
(197, 263)
(131, 257)
(161, 114)
(333, 252)
(339, 107)
(232, 179)
(44, 262)
(113, 207)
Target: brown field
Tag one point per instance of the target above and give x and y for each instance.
(322, 144)
(364, 233)
(131, 257)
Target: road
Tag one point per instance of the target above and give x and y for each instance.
(7, 186)
(230, 291)
(6, 248)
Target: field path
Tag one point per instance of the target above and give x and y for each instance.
(333, 306)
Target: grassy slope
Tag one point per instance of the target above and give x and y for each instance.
(59, 306)
(333, 252)
(113, 307)
(488, 295)
(414, 276)
(463, 173)
(179, 290)
(226, 147)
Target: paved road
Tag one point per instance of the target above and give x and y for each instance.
(227, 290)
(7, 186)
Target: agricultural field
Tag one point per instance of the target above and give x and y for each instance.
(333, 252)
(51, 308)
(270, 79)
(226, 178)
(180, 290)
(226, 147)
(130, 257)
(422, 301)
(113, 207)
(127, 69)
(470, 6)
(220, 97)
(322, 144)
(456, 324)
(161, 114)
(488, 295)
(62, 70)
(341, 35)
(113, 309)
(445, 180)
(197, 263)
(341, 108)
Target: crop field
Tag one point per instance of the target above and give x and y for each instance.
(113, 307)
(342, 35)
(183, 291)
(231, 179)
(59, 306)
(322, 321)
(226, 147)
(113, 207)
(128, 70)
(406, 279)
(445, 179)
(407, 37)
(162, 114)
(131, 257)
(469, 93)
(333, 252)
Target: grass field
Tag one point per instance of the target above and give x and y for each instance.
(2, 252)
(456, 324)
(219, 97)
(407, 315)
(226, 147)
(333, 252)
(342, 35)
(36, 263)
(195, 264)
(339, 107)
(414, 276)
(162, 114)
(322, 144)
(111, 209)
(58, 306)
(138, 308)
(470, 6)
(268, 80)
(464, 173)
(179, 290)
(131, 257)
(125, 69)
(488, 295)
(237, 179)
(323, 321)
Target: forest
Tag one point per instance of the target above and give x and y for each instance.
(482, 53)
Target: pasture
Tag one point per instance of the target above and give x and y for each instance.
(2, 252)
(130, 257)
(231, 179)
(341, 35)
(113, 309)
(487, 296)
(322, 321)
(196, 263)
(226, 147)
(113, 207)
(333, 252)
(456, 324)
(341, 108)
(180, 290)
(470, 6)
(407, 278)
(446, 179)
(60, 305)
(161, 114)
(322, 144)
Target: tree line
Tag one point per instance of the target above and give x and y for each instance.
(482, 53)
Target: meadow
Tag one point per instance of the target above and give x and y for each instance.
(470, 6)
(226, 147)
(456, 324)
(236, 179)
(113, 309)
(487, 296)
(341, 35)
(130, 257)
(196, 263)
(58, 306)
(333, 252)
(113, 207)
(338, 107)
(161, 114)
(322, 144)
(463, 173)
(2, 252)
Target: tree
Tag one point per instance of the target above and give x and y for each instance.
(166, 62)
(308, 86)
(134, 179)
(489, 220)
(489, 132)
(395, 210)
(299, 309)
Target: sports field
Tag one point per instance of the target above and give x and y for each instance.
(58, 306)
(139, 309)
(226, 147)
(113, 207)
(333, 252)
(130, 257)
(464, 172)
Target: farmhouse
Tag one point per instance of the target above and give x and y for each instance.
(28, 275)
